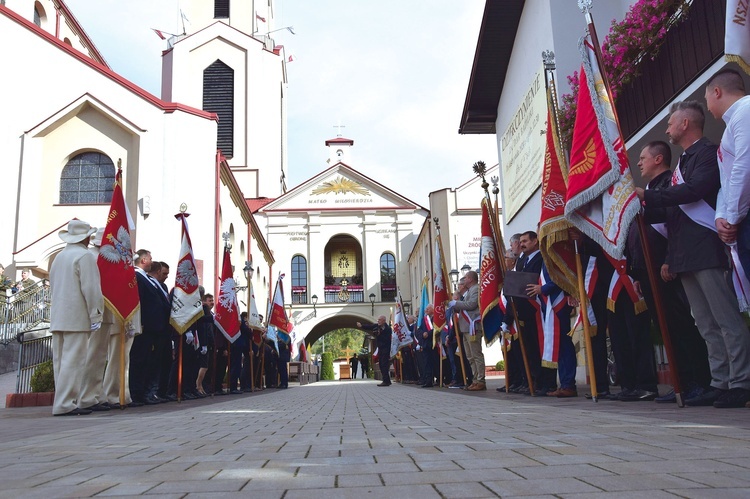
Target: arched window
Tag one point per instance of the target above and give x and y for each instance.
(218, 97)
(39, 14)
(299, 279)
(88, 178)
(387, 277)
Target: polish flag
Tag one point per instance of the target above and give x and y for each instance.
(227, 317)
(160, 34)
(261, 19)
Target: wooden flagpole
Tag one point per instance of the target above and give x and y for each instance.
(122, 366)
(503, 347)
(480, 168)
(583, 300)
(460, 341)
(585, 6)
(179, 369)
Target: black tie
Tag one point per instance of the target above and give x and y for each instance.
(524, 261)
(683, 160)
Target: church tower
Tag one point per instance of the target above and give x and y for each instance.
(339, 150)
(225, 62)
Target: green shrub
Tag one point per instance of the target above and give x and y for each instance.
(43, 379)
(326, 371)
(500, 366)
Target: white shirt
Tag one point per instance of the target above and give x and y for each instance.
(733, 202)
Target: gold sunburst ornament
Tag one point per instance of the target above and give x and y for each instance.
(589, 156)
(340, 185)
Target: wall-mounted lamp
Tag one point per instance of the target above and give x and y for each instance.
(454, 278)
(465, 269)
(315, 302)
(372, 303)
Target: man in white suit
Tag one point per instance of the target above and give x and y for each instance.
(76, 310)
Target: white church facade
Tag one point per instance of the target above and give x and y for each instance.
(72, 119)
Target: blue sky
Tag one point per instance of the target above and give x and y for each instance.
(393, 72)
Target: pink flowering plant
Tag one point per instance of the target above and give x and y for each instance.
(640, 34)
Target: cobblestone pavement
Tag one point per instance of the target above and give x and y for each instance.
(353, 439)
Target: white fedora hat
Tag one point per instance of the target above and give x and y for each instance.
(78, 231)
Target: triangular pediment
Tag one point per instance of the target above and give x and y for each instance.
(340, 188)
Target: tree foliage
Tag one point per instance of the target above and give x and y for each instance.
(340, 343)
(326, 370)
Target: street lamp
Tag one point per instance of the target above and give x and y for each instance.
(315, 302)
(372, 303)
(248, 270)
(454, 278)
(465, 269)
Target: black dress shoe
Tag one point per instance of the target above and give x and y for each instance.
(99, 407)
(136, 403)
(384, 384)
(599, 396)
(706, 398)
(76, 412)
(238, 392)
(427, 386)
(171, 397)
(637, 395)
(189, 396)
(734, 398)
(670, 396)
(151, 400)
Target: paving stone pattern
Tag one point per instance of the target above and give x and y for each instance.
(353, 439)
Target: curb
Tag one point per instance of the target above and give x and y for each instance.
(29, 399)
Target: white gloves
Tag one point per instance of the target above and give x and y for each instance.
(189, 338)
(129, 330)
(204, 350)
(95, 326)
(452, 303)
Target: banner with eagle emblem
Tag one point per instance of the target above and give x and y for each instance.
(601, 199)
(115, 259)
(186, 299)
(227, 316)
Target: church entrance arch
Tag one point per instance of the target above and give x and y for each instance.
(339, 321)
(343, 268)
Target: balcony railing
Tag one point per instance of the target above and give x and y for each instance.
(690, 48)
(338, 294)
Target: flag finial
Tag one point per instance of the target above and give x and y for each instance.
(549, 59)
(480, 168)
(585, 6)
(495, 188)
(437, 222)
(183, 207)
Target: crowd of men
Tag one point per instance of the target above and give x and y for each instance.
(696, 219)
(88, 346)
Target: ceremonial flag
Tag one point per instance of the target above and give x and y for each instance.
(186, 300)
(442, 294)
(253, 317)
(737, 34)
(490, 277)
(115, 259)
(291, 58)
(159, 33)
(424, 300)
(401, 337)
(558, 252)
(259, 18)
(601, 199)
(272, 336)
(278, 316)
(227, 316)
(302, 352)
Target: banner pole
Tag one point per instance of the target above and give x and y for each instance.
(583, 300)
(122, 366)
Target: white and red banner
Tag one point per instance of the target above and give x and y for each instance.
(401, 336)
(186, 299)
(737, 34)
(601, 199)
(115, 260)
(278, 317)
(227, 316)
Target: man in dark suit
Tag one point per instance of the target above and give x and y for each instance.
(382, 333)
(148, 348)
(699, 257)
(425, 338)
(354, 363)
(530, 261)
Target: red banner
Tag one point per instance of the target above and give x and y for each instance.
(115, 260)
(227, 316)
(442, 293)
(278, 314)
(557, 250)
(601, 199)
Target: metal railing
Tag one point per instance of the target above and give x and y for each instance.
(36, 349)
(23, 311)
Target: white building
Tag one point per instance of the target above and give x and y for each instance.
(67, 120)
(343, 241)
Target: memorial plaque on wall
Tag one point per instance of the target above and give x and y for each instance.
(522, 149)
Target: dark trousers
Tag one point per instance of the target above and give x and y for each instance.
(631, 343)
(599, 341)
(162, 364)
(283, 367)
(189, 368)
(566, 361)
(140, 355)
(743, 244)
(385, 364)
(235, 366)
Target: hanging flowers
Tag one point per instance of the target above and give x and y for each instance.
(640, 34)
